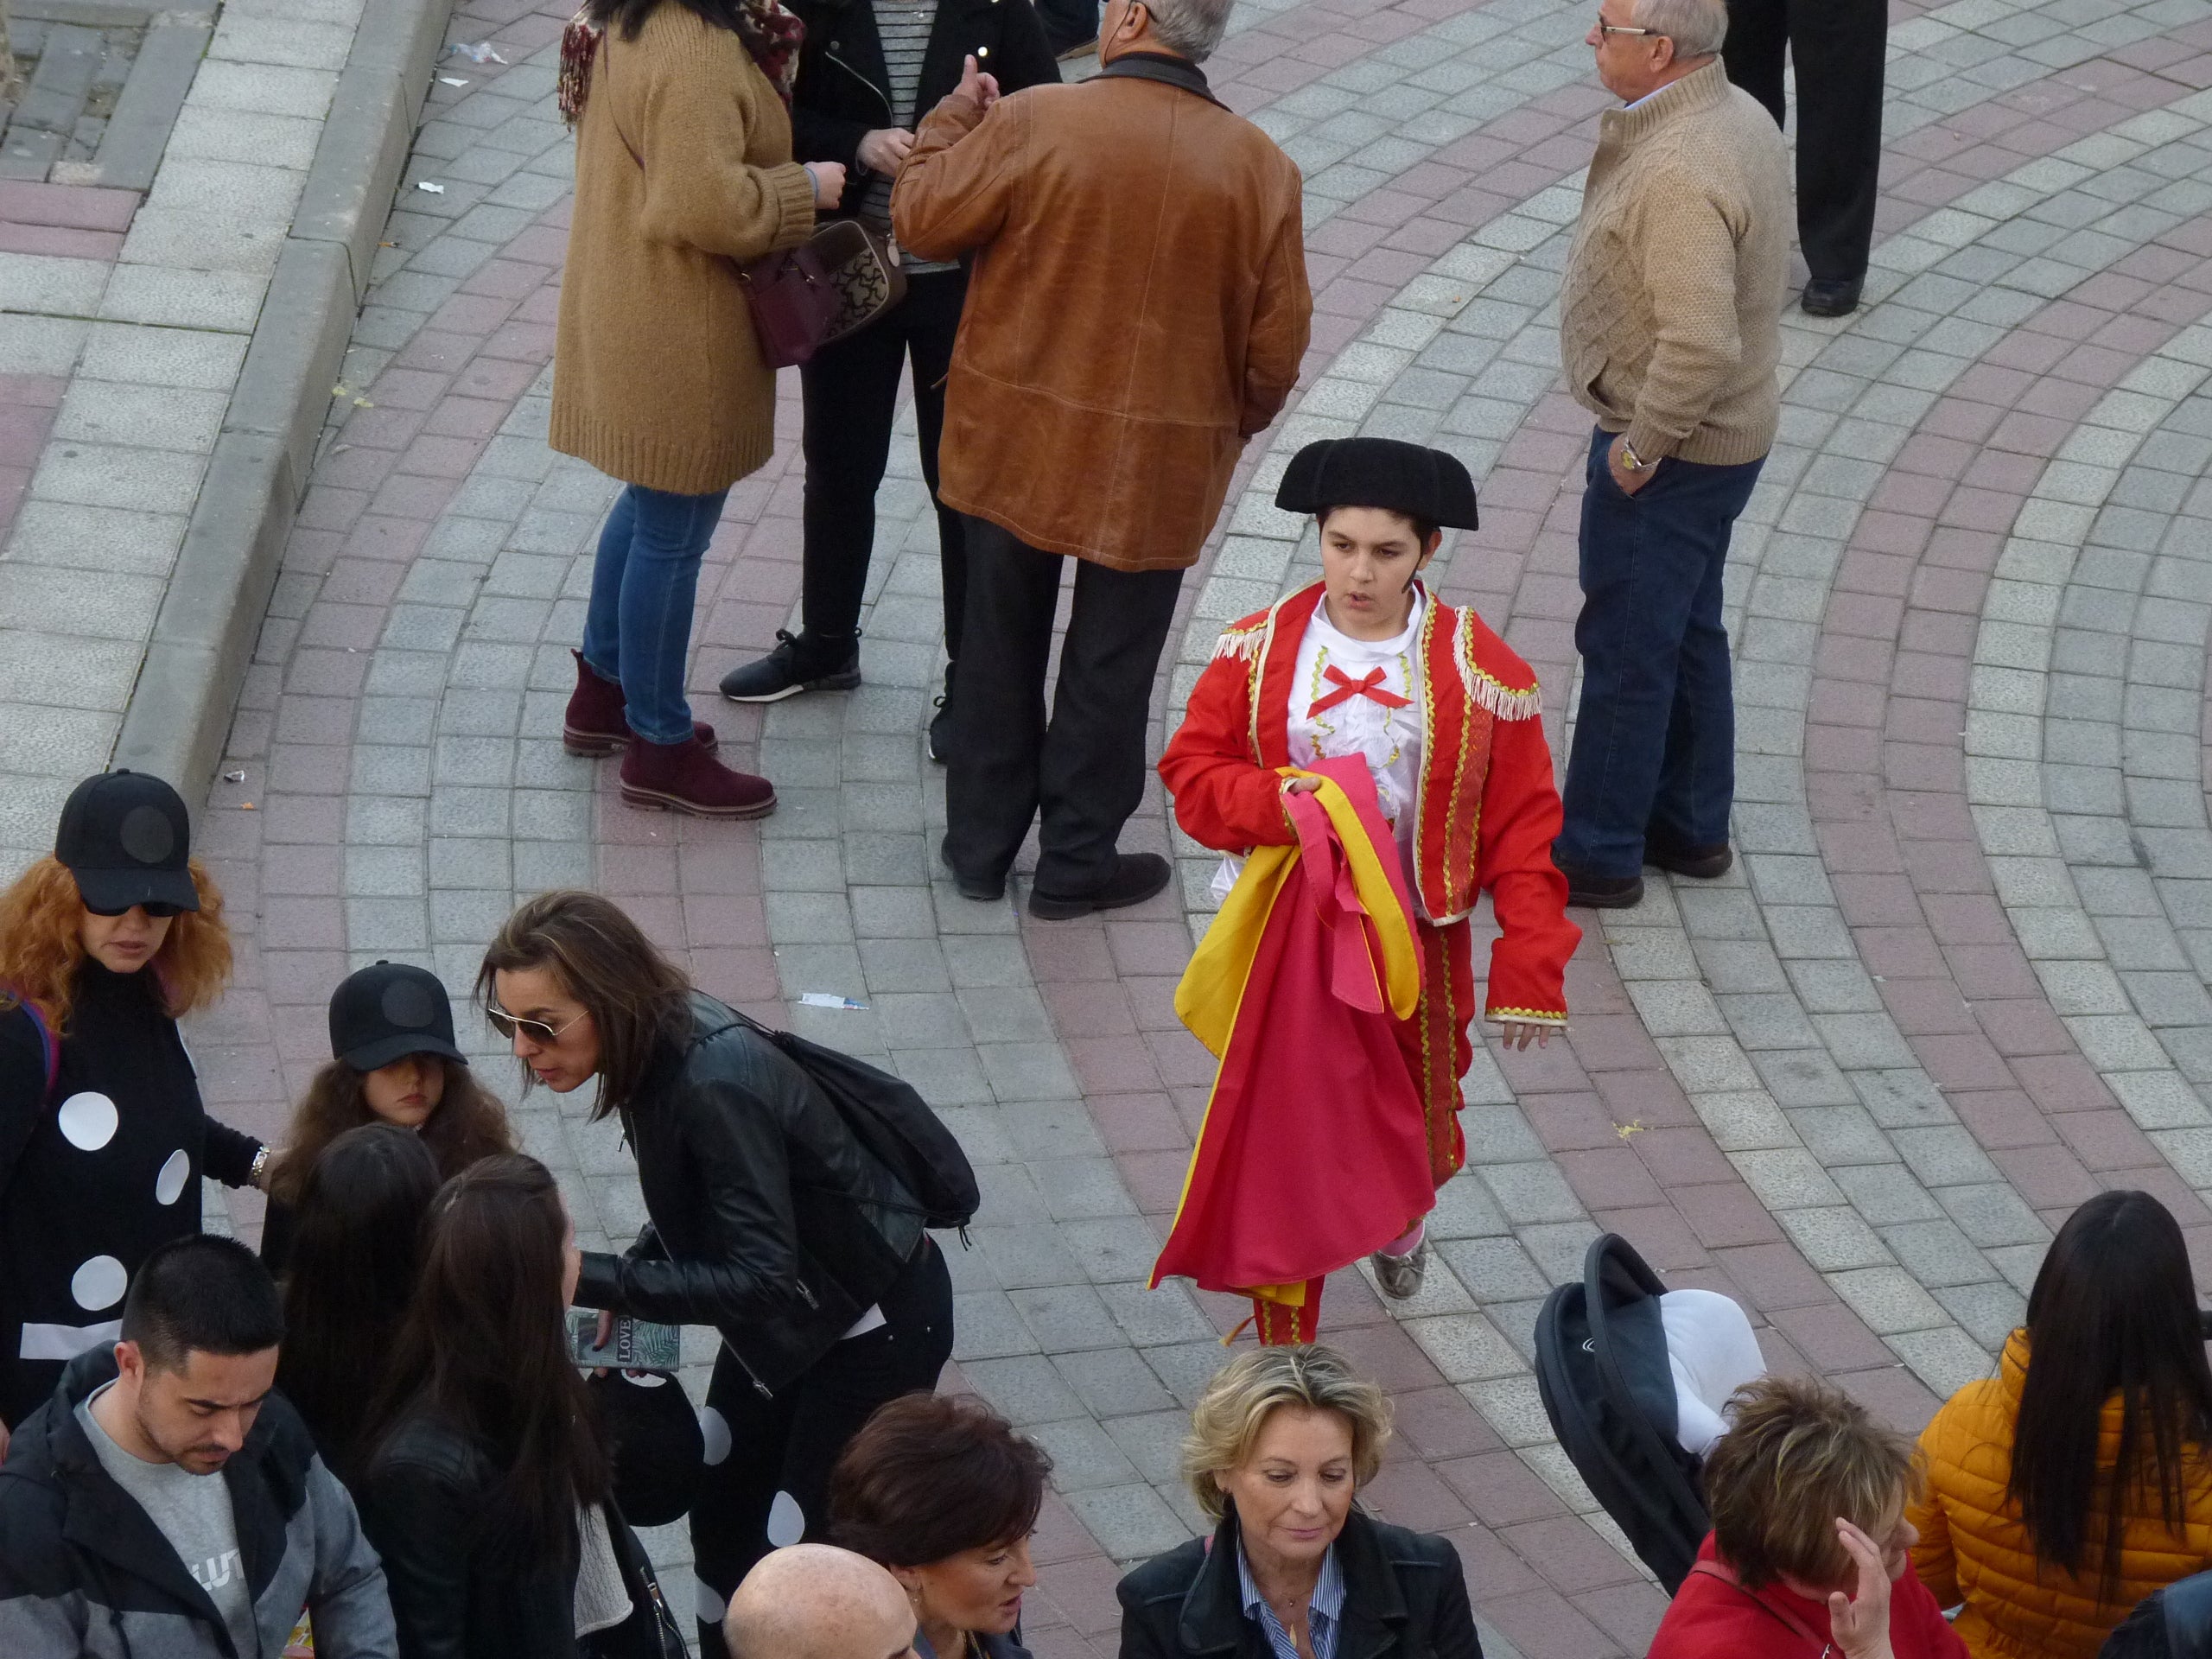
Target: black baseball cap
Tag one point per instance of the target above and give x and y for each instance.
(126, 838)
(389, 1011)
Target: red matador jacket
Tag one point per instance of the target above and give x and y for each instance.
(1487, 808)
(1298, 988)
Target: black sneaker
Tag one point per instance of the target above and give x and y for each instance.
(799, 662)
(1603, 892)
(1136, 877)
(941, 723)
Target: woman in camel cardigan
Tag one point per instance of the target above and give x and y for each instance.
(683, 173)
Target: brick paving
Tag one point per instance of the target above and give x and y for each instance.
(1954, 985)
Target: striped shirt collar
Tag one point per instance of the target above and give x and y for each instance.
(1324, 1613)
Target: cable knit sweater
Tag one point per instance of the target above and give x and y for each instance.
(1670, 315)
(683, 173)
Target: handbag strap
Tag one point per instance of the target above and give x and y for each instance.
(1726, 1574)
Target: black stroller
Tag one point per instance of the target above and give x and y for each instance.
(1608, 1382)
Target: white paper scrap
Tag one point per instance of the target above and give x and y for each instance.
(830, 999)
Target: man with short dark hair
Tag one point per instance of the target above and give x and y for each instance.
(166, 1504)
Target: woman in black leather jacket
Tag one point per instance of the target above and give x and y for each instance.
(486, 1490)
(868, 72)
(768, 1221)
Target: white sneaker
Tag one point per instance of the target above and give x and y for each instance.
(1400, 1276)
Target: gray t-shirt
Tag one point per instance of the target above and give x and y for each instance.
(194, 1513)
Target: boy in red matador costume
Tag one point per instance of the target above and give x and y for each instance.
(1365, 664)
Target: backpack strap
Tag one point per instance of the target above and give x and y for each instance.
(49, 1050)
(1726, 1574)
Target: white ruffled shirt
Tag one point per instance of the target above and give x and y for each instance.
(1389, 740)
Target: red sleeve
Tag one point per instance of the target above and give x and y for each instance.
(1223, 799)
(1520, 818)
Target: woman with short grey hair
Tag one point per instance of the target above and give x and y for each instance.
(1279, 1446)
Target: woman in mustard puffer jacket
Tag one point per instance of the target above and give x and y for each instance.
(2024, 1520)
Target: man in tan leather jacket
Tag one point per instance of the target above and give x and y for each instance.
(1137, 308)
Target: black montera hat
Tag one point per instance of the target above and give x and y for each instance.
(387, 1011)
(657, 1446)
(125, 837)
(1379, 472)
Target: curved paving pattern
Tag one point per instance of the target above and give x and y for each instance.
(1954, 986)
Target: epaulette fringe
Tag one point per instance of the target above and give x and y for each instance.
(1239, 643)
(1503, 701)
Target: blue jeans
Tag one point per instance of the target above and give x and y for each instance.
(1655, 742)
(638, 628)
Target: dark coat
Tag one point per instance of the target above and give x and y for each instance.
(769, 1221)
(85, 1571)
(2175, 1622)
(844, 90)
(1405, 1597)
(422, 1498)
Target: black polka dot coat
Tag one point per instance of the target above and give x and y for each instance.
(96, 1173)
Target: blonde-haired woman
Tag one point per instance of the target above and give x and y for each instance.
(1280, 1444)
(105, 945)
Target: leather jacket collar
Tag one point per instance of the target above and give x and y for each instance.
(1373, 1612)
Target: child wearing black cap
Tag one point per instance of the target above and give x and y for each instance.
(105, 946)
(1367, 663)
(394, 1061)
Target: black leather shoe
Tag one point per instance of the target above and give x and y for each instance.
(982, 891)
(941, 721)
(1701, 863)
(800, 662)
(1603, 892)
(1136, 877)
(1827, 298)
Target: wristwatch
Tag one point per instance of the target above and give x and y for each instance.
(260, 1167)
(1630, 462)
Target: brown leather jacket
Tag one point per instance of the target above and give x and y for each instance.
(1137, 308)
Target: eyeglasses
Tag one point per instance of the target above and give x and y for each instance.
(536, 1030)
(160, 912)
(1604, 28)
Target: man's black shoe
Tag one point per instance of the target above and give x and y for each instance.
(1700, 864)
(941, 723)
(1603, 892)
(971, 886)
(799, 662)
(1825, 297)
(1136, 877)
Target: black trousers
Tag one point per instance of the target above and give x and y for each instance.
(1836, 47)
(773, 1485)
(851, 391)
(1085, 768)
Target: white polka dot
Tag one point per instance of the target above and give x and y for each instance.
(99, 1283)
(715, 1431)
(786, 1521)
(168, 1185)
(87, 1121)
(710, 1606)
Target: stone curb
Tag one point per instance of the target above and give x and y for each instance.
(210, 618)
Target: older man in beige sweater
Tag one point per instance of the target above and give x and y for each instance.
(1670, 327)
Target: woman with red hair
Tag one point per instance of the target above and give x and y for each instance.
(105, 945)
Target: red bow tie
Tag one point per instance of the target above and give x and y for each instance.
(1369, 685)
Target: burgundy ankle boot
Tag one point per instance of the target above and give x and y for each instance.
(595, 725)
(684, 778)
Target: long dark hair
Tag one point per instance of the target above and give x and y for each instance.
(628, 17)
(350, 1278)
(468, 1123)
(484, 1350)
(637, 997)
(2113, 1312)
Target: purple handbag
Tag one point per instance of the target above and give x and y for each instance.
(839, 280)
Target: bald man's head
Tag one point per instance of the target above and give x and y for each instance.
(813, 1602)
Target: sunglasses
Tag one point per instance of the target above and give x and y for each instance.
(536, 1030)
(160, 912)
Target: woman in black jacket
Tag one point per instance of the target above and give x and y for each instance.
(768, 1221)
(1280, 1442)
(485, 1488)
(868, 72)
